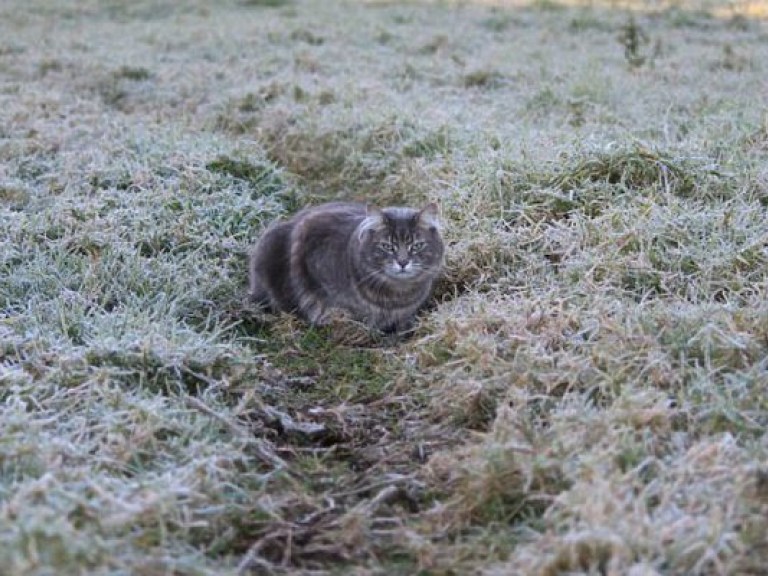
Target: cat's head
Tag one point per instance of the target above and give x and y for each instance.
(403, 244)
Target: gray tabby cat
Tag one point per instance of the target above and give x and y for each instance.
(376, 264)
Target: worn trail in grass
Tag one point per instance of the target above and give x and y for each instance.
(584, 394)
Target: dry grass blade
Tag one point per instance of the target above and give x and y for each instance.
(263, 448)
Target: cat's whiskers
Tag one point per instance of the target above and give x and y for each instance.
(376, 273)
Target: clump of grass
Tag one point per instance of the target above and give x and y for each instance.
(633, 37)
(731, 60)
(124, 87)
(506, 477)
(380, 159)
(483, 78)
(14, 197)
(112, 179)
(307, 36)
(473, 263)
(263, 178)
(429, 146)
(50, 65)
(438, 43)
(135, 73)
(384, 36)
(593, 184)
(590, 543)
(243, 114)
(543, 101)
(637, 168)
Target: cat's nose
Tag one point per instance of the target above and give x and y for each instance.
(403, 263)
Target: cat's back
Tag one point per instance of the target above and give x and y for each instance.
(332, 216)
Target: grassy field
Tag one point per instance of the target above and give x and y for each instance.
(586, 394)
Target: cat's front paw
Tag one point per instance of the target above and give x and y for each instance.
(400, 328)
(344, 329)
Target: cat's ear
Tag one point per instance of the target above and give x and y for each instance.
(374, 220)
(429, 216)
(374, 214)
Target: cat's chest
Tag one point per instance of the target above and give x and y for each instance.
(382, 304)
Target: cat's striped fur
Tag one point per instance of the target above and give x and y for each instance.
(376, 264)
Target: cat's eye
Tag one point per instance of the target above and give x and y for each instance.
(418, 246)
(386, 246)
